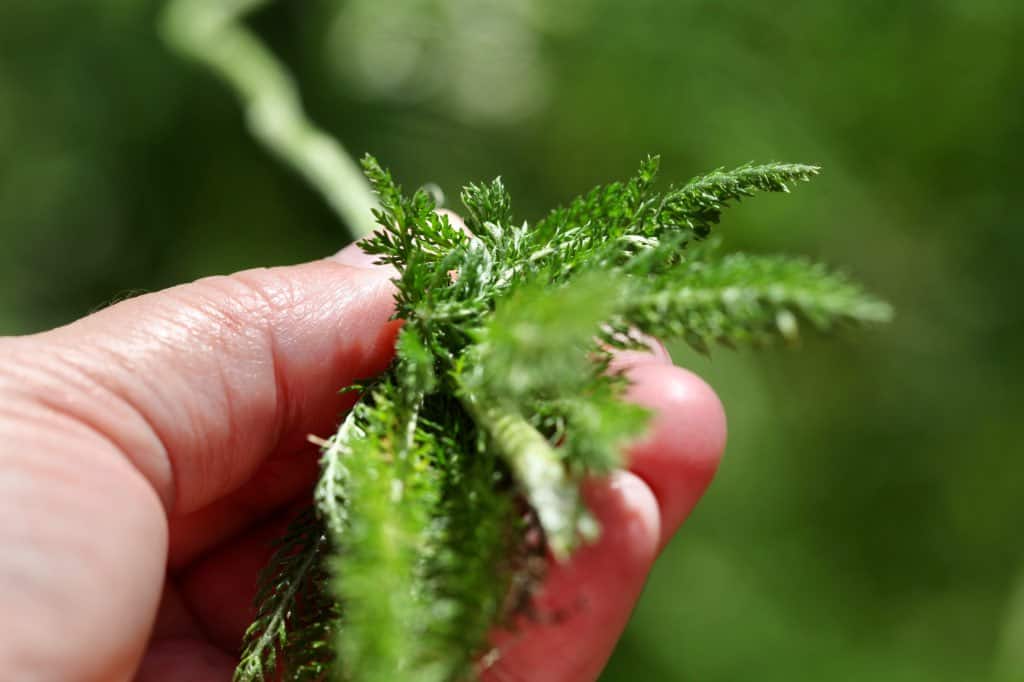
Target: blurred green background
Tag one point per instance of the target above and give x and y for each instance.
(867, 520)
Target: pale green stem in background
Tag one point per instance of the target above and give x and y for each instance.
(212, 32)
(1009, 658)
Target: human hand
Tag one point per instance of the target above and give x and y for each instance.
(151, 451)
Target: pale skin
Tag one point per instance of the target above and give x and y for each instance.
(150, 452)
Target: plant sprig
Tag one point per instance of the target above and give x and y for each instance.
(499, 403)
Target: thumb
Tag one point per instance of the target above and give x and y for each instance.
(197, 384)
(160, 404)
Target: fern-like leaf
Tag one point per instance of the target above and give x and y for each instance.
(748, 299)
(698, 205)
(281, 586)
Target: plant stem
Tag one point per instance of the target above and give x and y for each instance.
(212, 32)
(541, 474)
(329, 488)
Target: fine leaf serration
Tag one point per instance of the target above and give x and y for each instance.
(500, 402)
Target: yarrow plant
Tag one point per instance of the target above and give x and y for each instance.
(460, 467)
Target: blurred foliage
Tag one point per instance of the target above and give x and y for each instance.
(866, 522)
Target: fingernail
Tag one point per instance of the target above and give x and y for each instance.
(658, 349)
(656, 354)
(354, 256)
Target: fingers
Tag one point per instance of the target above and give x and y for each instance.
(161, 404)
(584, 604)
(277, 482)
(83, 537)
(185, 659)
(282, 479)
(685, 442)
(179, 651)
(589, 600)
(198, 384)
(219, 589)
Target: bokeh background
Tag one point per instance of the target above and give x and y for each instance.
(867, 520)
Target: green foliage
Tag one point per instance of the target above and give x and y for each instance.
(292, 615)
(745, 299)
(500, 400)
(391, 490)
(699, 204)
